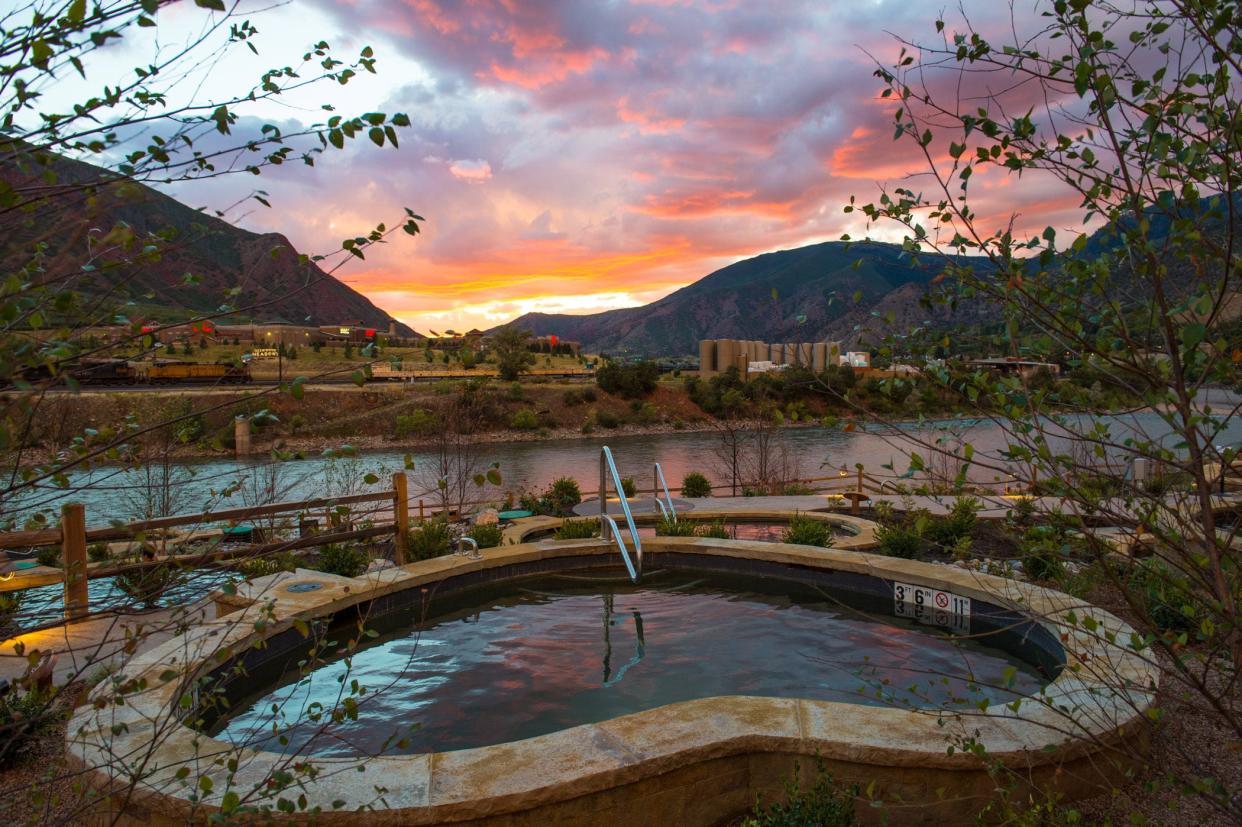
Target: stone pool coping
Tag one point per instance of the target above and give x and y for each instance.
(861, 532)
(508, 780)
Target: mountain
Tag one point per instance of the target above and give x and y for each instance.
(83, 201)
(814, 293)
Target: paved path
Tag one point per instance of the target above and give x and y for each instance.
(85, 648)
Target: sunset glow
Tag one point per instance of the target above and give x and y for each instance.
(576, 157)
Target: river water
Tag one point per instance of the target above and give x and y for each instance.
(112, 493)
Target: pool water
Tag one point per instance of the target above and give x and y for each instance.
(558, 651)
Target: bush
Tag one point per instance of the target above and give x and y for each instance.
(432, 539)
(48, 556)
(589, 395)
(1165, 594)
(578, 529)
(668, 527)
(23, 714)
(795, 489)
(628, 486)
(419, 421)
(807, 531)
(148, 585)
(630, 381)
(946, 532)
(255, 567)
(899, 540)
(343, 559)
(695, 484)
(487, 535)
(524, 420)
(563, 494)
(1042, 550)
(10, 605)
(823, 805)
(571, 398)
(715, 529)
(98, 552)
(608, 419)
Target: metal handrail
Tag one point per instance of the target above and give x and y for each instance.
(657, 483)
(608, 529)
(473, 553)
(625, 554)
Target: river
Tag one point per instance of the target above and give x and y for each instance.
(112, 493)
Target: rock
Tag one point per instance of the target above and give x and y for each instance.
(488, 516)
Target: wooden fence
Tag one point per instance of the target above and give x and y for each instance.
(74, 537)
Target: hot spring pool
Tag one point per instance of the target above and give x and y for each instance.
(530, 656)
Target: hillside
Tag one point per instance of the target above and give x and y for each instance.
(822, 291)
(84, 201)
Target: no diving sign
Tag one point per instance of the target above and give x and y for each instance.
(934, 607)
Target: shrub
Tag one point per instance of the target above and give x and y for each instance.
(823, 805)
(261, 566)
(515, 392)
(807, 531)
(297, 422)
(571, 398)
(563, 494)
(628, 486)
(487, 535)
(608, 419)
(23, 715)
(344, 559)
(98, 552)
(10, 604)
(524, 420)
(432, 539)
(668, 527)
(947, 531)
(1165, 594)
(715, 529)
(795, 489)
(147, 585)
(899, 540)
(578, 529)
(48, 556)
(695, 484)
(1042, 550)
(589, 395)
(630, 381)
(419, 421)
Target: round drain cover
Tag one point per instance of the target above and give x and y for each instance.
(304, 587)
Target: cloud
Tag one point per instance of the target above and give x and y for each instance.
(577, 156)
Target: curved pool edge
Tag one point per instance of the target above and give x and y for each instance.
(708, 748)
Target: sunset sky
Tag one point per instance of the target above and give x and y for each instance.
(576, 156)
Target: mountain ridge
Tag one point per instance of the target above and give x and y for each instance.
(273, 283)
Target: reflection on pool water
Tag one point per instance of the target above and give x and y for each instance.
(559, 651)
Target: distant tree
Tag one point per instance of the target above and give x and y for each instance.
(512, 348)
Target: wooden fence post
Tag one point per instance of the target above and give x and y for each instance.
(401, 516)
(73, 558)
(420, 512)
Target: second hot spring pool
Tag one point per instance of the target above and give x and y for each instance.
(530, 656)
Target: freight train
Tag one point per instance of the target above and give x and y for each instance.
(159, 372)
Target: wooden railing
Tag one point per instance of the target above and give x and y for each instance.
(73, 537)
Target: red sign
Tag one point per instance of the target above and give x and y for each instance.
(552, 339)
(370, 333)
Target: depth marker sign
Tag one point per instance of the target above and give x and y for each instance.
(934, 607)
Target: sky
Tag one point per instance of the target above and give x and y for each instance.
(574, 156)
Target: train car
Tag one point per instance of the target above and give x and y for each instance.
(103, 372)
(188, 373)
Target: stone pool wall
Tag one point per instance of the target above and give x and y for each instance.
(692, 763)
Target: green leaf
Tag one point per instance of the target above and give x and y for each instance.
(77, 11)
(214, 5)
(376, 134)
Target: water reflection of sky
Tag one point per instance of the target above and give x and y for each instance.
(541, 661)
